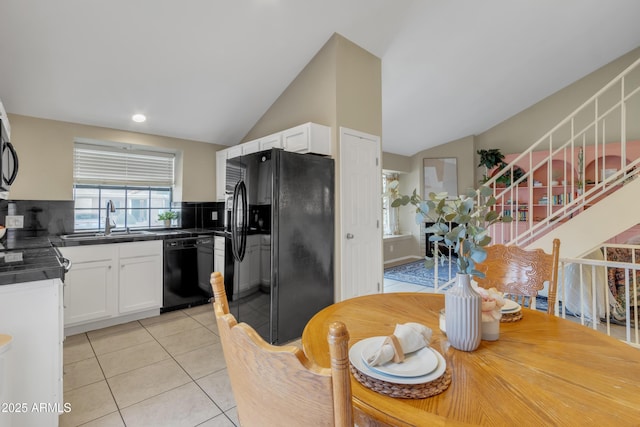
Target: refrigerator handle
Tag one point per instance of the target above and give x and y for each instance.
(245, 220)
(234, 223)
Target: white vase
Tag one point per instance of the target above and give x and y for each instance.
(491, 330)
(463, 320)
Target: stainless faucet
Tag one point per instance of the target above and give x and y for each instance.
(108, 224)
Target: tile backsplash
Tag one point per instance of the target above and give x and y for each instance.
(41, 217)
(55, 217)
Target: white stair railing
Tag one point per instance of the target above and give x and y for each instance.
(597, 125)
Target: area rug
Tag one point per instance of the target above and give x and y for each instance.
(415, 272)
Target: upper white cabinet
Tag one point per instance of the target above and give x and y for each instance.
(235, 151)
(271, 141)
(308, 138)
(305, 138)
(250, 147)
(221, 174)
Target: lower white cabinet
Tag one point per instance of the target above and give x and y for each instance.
(265, 260)
(218, 254)
(89, 293)
(31, 313)
(140, 276)
(108, 282)
(249, 275)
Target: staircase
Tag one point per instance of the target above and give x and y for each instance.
(599, 198)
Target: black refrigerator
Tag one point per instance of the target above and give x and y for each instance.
(280, 240)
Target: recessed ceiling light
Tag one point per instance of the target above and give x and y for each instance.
(139, 118)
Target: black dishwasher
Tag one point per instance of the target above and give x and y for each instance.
(188, 263)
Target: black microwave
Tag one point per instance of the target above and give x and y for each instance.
(8, 161)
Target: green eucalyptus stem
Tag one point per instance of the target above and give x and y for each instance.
(470, 235)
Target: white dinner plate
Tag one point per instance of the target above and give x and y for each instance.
(415, 364)
(510, 306)
(355, 356)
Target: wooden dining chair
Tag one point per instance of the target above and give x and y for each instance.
(278, 385)
(521, 273)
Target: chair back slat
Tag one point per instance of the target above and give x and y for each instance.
(520, 272)
(278, 385)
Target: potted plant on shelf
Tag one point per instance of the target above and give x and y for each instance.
(167, 217)
(493, 158)
(468, 238)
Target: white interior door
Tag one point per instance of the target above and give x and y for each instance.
(361, 214)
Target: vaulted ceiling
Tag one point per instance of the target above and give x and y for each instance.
(207, 70)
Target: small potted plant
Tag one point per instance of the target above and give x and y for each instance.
(167, 217)
(493, 158)
(473, 213)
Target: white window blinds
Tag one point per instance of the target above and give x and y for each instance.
(121, 165)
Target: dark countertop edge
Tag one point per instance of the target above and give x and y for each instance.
(50, 264)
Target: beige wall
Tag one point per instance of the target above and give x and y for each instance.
(45, 150)
(311, 97)
(463, 151)
(513, 135)
(519, 132)
(340, 87)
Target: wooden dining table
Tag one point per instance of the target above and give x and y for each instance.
(543, 370)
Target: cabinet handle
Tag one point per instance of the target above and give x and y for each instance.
(349, 236)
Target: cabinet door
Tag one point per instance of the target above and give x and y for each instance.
(271, 141)
(218, 254)
(265, 260)
(296, 139)
(89, 293)
(308, 138)
(235, 151)
(221, 174)
(140, 283)
(250, 147)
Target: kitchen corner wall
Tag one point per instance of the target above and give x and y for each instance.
(45, 150)
(201, 214)
(44, 218)
(41, 217)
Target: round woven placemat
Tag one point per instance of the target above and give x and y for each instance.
(406, 391)
(511, 317)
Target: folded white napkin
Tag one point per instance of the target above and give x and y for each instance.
(406, 338)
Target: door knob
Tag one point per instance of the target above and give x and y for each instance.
(349, 236)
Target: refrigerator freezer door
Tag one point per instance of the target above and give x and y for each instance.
(302, 241)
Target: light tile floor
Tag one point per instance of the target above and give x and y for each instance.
(167, 370)
(162, 371)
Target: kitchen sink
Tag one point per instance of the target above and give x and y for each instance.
(99, 235)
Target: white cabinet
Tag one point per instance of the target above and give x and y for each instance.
(218, 254)
(265, 260)
(112, 283)
(221, 174)
(308, 138)
(88, 290)
(31, 314)
(248, 276)
(271, 141)
(250, 147)
(235, 151)
(140, 271)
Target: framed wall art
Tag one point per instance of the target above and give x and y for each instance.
(440, 175)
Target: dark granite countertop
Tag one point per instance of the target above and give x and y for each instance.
(29, 259)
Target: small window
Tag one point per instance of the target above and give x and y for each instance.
(138, 181)
(390, 220)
